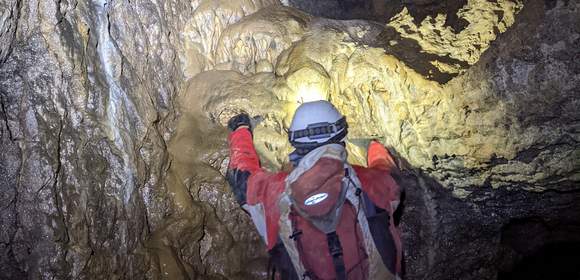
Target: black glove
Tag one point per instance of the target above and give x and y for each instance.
(239, 120)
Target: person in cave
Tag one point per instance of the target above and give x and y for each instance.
(326, 219)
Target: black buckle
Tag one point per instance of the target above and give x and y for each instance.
(334, 246)
(295, 235)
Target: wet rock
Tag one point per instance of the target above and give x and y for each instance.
(87, 93)
(8, 17)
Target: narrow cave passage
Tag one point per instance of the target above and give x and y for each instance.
(558, 260)
(535, 248)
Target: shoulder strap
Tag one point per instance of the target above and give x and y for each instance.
(335, 250)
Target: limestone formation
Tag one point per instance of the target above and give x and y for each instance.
(261, 36)
(114, 148)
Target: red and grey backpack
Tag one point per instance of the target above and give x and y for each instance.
(323, 225)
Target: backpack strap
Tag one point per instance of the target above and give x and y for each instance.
(282, 266)
(287, 235)
(377, 269)
(335, 250)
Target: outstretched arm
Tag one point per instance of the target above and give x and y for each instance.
(244, 162)
(379, 157)
(255, 189)
(387, 193)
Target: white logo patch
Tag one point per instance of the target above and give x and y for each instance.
(315, 199)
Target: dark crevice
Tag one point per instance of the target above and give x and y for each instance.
(559, 260)
(410, 52)
(5, 117)
(422, 9)
(535, 248)
(86, 265)
(90, 241)
(471, 229)
(382, 11)
(574, 190)
(58, 203)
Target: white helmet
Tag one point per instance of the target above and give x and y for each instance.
(316, 123)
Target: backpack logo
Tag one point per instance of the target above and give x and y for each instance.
(315, 199)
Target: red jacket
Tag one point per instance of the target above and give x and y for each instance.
(258, 190)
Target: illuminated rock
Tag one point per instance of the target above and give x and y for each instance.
(484, 18)
(463, 124)
(202, 31)
(261, 36)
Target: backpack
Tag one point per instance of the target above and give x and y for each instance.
(320, 203)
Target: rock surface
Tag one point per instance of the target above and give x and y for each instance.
(8, 16)
(87, 92)
(114, 151)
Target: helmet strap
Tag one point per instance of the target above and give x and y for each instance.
(299, 153)
(318, 130)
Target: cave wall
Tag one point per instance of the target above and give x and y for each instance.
(87, 93)
(113, 146)
(82, 155)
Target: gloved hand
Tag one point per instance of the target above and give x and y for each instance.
(236, 121)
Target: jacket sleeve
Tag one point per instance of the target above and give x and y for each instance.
(255, 189)
(379, 157)
(387, 194)
(244, 162)
(249, 182)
